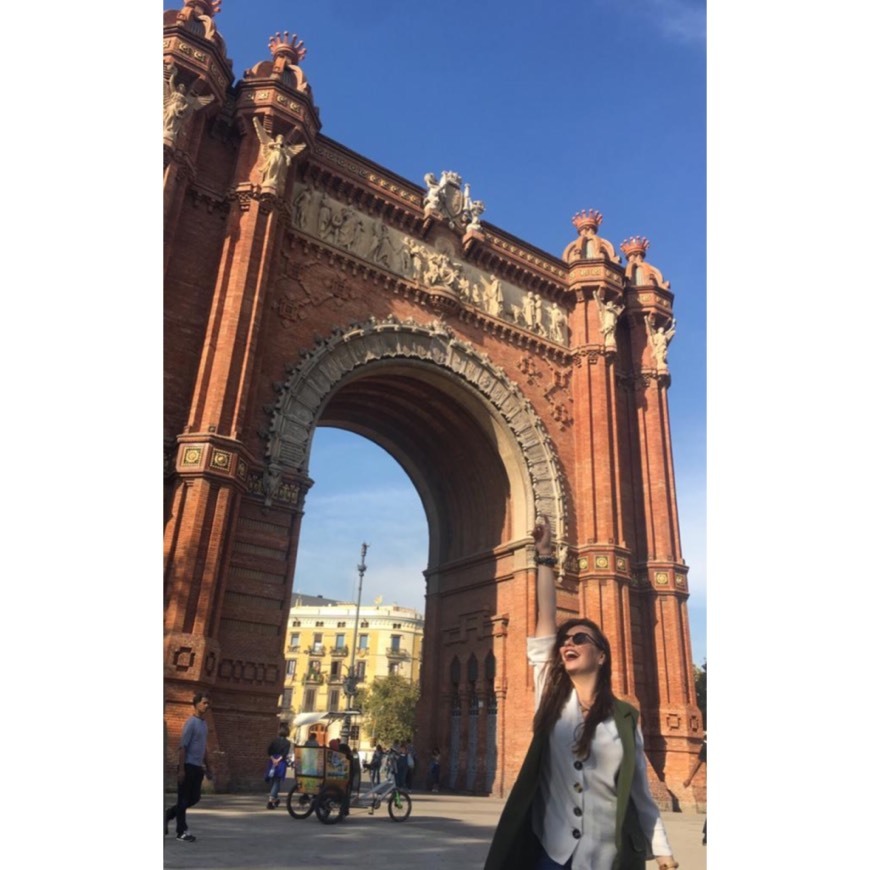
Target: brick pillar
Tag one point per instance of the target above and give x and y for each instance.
(672, 720)
(239, 644)
(604, 566)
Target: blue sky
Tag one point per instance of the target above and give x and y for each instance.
(544, 111)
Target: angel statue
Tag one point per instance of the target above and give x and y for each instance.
(178, 106)
(659, 340)
(435, 194)
(608, 313)
(275, 157)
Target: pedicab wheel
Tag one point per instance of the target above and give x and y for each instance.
(328, 803)
(299, 804)
(399, 809)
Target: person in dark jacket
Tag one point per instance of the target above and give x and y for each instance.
(581, 799)
(276, 770)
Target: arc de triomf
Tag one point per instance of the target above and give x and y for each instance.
(307, 286)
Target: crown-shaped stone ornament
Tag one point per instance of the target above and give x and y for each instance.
(290, 47)
(635, 246)
(587, 220)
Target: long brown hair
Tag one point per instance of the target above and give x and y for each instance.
(558, 686)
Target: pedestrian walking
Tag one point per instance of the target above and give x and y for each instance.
(435, 769)
(581, 799)
(192, 766)
(375, 764)
(276, 768)
(401, 766)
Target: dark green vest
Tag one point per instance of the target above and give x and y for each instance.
(515, 846)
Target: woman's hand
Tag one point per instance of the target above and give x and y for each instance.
(667, 862)
(543, 537)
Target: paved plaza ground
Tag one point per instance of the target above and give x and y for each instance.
(444, 831)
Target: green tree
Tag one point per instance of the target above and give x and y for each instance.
(389, 709)
(701, 690)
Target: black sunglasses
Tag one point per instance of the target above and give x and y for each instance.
(579, 638)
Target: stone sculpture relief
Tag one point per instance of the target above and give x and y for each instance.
(659, 339)
(178, 106)
(381, 245)
(275, 158)
(608, 313)
(447, 199)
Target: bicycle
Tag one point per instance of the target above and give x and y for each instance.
(331, 804)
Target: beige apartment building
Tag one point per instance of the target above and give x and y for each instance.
(323, 643)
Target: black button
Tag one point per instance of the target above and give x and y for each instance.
(576, 833)
(578, 811)
(578, 765)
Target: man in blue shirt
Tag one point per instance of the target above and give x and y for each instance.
(192, 764)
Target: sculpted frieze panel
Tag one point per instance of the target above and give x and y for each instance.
(344, 227)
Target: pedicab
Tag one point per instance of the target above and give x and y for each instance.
(325, 782)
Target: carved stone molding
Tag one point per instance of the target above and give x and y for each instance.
(310, 383)
(449, 282)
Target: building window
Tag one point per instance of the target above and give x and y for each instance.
(333, 699)
(335, 670)
(297, 623)
(308, 704)
(361, 670)
(341, 625)
(314, 666)
(395, 640)
(363, 641)
(287, 699)
(318, 624)
(291, 668)
(397, 626)
(339, 641)
(354, 732)
(318, 640)
(394, 668)
(364, 624)
(294, 639)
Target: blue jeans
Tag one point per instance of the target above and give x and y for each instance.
(276, 787)
(545, 862)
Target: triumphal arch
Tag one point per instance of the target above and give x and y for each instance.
(307, 286)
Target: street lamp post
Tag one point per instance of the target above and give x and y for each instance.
(351, 681)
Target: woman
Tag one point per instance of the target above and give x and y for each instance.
(581, 800)
(279, 750)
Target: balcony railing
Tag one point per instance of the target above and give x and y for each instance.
(316, 651)
(398, 654)
(311, 677)
(340, 650)
(362, 650)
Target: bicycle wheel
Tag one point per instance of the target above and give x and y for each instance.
(327, 805)
(399, 805)
(299, 804)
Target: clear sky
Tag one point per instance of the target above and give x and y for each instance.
(544, 109)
